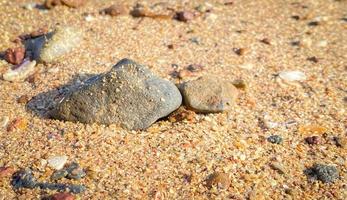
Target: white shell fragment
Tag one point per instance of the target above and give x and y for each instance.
(4, 121)
(20, 73)
(57, 162)
(291, 76)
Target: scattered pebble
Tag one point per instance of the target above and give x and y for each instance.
(62, 41)
(52, 3)
(240, 84)
(220, 180)
(49, 4)
(313, 59)
(278, 167)
(182, 114)
(119, 96)
(266, 41)
(185, 16)
(57, 162)
(291, 76)
(26, 179)
(15, 56)
(275, 139)
(6, 171)
(116, 10)
(296, 17)
(313, 23)
(239, 51)
(218, 95)
(313, 140)
(62, 196)
(59, 174)
(324, 173)
(18, 123)
(75, 172)
(39, 32)
(143, 11)
(341, 142)
(20, 72)
(23, 99)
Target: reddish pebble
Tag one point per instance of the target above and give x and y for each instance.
(39, 32)
(239, 51)
(312, 140)
(6, 171)
(184, 16)
(63, 196)
(15, 56)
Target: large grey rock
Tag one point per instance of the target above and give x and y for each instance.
(51, 46)
(129, 95)
(209, 94)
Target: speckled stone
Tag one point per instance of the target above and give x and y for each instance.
(322, 172)
(129, 95)
(209, 94)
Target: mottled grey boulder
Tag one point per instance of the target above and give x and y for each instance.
(129, 95)
(209, 94)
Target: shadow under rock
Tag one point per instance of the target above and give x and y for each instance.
(43, 103)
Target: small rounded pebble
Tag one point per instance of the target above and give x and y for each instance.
(62, 196)
(57, 162)
(322, 172)
(218, 95)
(312, 140)
(185, 16)
(15, 56)
(220, 180)
(275, 139)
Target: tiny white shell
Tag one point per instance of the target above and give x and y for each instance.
(57, 162)
(292, 76)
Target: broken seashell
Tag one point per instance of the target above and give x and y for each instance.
(20, 72)
(292, 76)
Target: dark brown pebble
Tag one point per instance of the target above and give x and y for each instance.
(52, 3)
(296, 17)
(313, 59)
(239, 51)
(185, 16)
(313, 23)
(312, 140)
(266, 41)
(170, 46)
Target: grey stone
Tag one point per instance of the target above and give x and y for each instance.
(129, 95)
(324, 173)
(209, 94)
